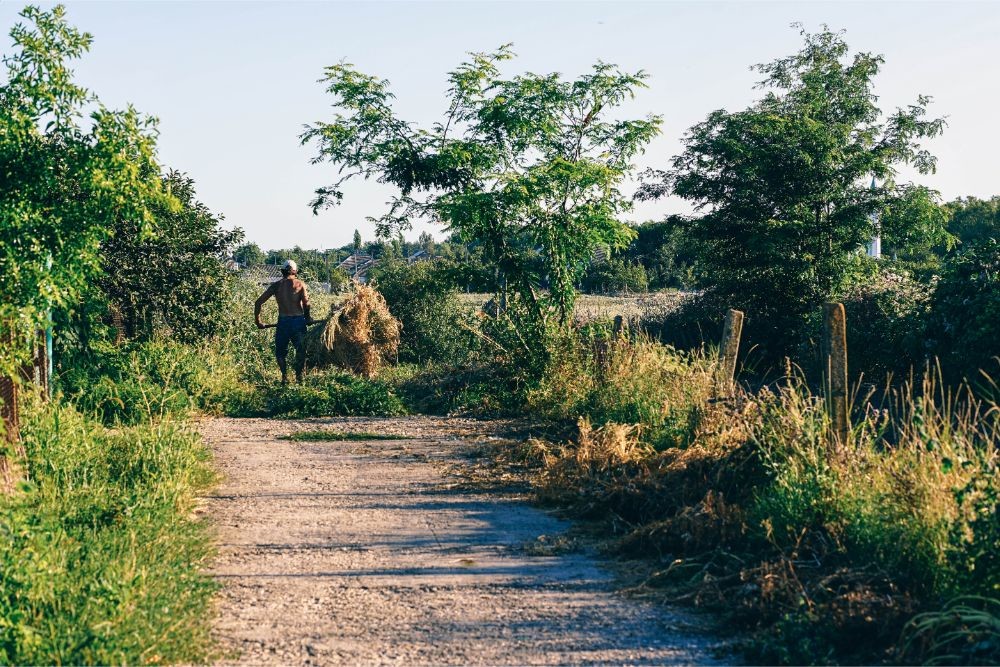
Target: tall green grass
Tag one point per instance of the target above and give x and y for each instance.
(101, 558)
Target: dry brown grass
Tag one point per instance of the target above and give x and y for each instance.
(595, 307)
(361, 335)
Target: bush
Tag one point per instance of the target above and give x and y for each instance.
(140, 382)
(963, 328)
(101, 561)
(885, 318)
(423, 297)
(332, 393)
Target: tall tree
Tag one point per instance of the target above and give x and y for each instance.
(65, 180)
(531, 162)
(784, 185)
(172, 274)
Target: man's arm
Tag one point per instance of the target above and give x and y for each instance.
(305, 304)
(268, 293)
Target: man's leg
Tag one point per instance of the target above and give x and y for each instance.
(281, 351)
(299, 341)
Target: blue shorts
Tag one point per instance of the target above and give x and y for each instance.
(291, 329)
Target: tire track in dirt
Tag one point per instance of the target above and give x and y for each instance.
(359, 552)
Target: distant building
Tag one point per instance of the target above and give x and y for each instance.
(262, 274)
(874, 247)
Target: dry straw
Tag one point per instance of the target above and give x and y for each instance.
(361, 336)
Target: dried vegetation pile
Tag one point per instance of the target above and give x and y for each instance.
(361, 335)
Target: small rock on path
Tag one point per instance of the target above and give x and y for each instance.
(360, 552)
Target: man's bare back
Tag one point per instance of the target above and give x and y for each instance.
(290, 293)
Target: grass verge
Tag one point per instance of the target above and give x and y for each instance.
(100, 556)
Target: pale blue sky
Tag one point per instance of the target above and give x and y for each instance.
(233, 83)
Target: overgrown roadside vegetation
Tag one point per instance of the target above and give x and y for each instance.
(883, 549)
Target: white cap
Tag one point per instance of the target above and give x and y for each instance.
(290, 266)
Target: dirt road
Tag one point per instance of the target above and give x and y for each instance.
(365, 552)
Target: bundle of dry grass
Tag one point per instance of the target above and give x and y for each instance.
(360, 336)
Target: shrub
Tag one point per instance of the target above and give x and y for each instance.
(885, 318)
(140, 382)
(332, 393)
(423, 297)
(963, 328)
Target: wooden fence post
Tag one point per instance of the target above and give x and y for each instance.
(10, 424)
(40, 360)
(730, 348)
(835, 371)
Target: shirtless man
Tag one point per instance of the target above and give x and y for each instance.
(293, 315)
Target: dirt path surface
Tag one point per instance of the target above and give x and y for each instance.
(369, 552)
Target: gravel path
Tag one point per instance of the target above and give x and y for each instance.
(368, 552)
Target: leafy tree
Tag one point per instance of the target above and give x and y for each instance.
(614, 276)
(172, 273)
(249, 254)
(66, 180)
(972, 220)
(784, 184)
(667, 252)
(516, 164)
(914, 230)
(357, 242)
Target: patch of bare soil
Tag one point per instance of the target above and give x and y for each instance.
(373, 552)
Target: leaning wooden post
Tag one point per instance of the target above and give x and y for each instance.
(729, 349)
(835, 366)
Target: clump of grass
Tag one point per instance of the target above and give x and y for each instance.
(322, 394)
(336, 436)
(101, 561)
(617, 379)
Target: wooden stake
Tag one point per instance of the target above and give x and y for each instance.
(835, 366)
(10, 427)
(730, 348)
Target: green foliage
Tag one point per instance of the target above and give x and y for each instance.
(532, 161)
(249, 254)
(139, 382)
(329, 394)
(171, 274)
(963, 329)
(101, 561)
(974, 220)
(423, 297)
(66, 182)
(914, 229)
(885, 316)
(783, 183)
(615, 276)
(667, 252)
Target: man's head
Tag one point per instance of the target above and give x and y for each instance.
(290, 268)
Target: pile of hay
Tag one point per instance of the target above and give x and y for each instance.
(361, 335)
